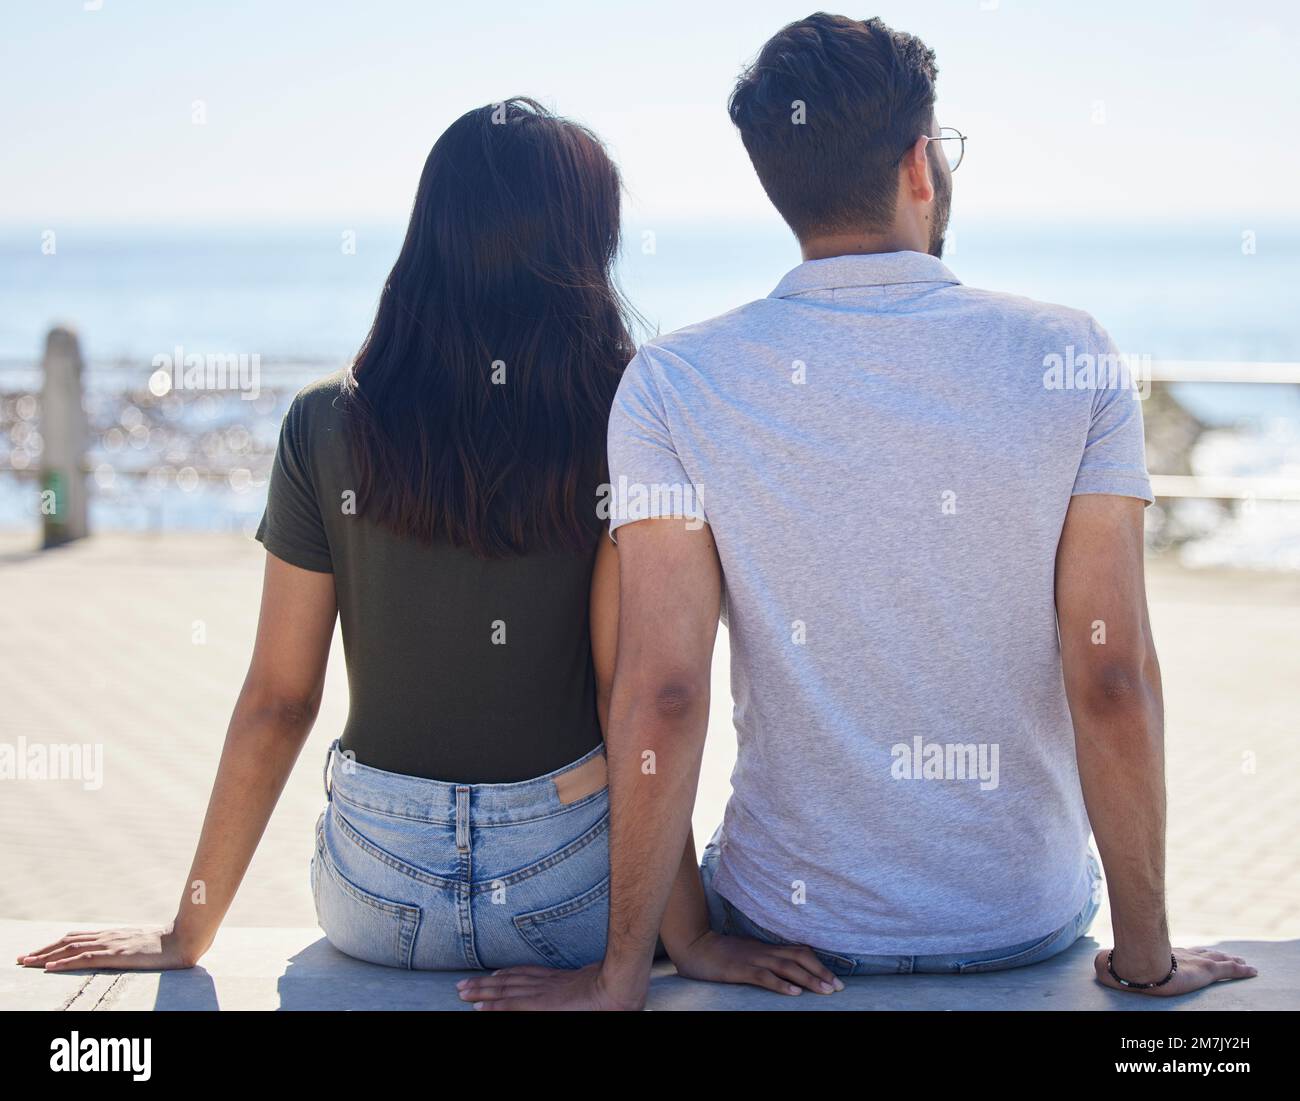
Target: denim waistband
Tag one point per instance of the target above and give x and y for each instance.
(438, 801)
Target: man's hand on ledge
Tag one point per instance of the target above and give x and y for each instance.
(139, 949)
(785, 969)
(1197, 968)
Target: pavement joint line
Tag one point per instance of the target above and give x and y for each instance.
(116, 981)
(109, 983)
(71, 1001)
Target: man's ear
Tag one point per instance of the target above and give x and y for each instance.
(917, 178)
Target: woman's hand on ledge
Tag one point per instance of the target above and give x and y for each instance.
(137, 949)
(529, 987)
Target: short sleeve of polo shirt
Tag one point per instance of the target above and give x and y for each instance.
(292, 528)
(1114, 455)
(647, 476)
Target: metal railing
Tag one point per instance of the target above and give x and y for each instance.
(1211, 487)
(1226, 487)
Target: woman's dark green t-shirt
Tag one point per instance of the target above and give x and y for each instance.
(459, 668)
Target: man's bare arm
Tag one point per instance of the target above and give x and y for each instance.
(1112, 681)
(688, 921)
(670, 593)
(662, 709)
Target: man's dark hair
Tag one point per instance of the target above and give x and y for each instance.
(867, 93)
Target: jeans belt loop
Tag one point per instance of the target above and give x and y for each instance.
(325, 772)
(462, 819)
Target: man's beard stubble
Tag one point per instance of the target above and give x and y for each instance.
(942, 207)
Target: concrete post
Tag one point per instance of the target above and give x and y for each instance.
(64, 495)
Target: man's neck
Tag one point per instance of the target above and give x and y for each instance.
(827, 245)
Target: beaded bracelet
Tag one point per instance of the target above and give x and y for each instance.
(1110, 970)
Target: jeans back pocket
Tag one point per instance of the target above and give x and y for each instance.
(360, 923)
(571, 934)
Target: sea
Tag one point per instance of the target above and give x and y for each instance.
(300, 299)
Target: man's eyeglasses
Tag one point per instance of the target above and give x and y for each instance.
(954, 146)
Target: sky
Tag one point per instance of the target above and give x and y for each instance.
(324, 112)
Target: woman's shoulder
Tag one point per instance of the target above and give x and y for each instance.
(314, 429)
(322, 396)
(319, 406)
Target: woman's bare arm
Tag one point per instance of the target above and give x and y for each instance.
(272, 718)
(604, 623)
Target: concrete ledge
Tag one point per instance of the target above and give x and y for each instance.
(298, 969)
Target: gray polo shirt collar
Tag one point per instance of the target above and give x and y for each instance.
(875, 269)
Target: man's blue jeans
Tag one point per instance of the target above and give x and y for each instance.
(726, 918)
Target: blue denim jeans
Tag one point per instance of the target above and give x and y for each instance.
(726, 918)
(422, 874)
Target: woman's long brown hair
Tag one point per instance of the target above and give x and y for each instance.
(478, 404)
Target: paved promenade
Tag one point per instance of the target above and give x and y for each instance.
(139, 644)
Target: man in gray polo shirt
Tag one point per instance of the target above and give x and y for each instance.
(905, 488)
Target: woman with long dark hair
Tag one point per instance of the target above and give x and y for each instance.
(440, 498)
